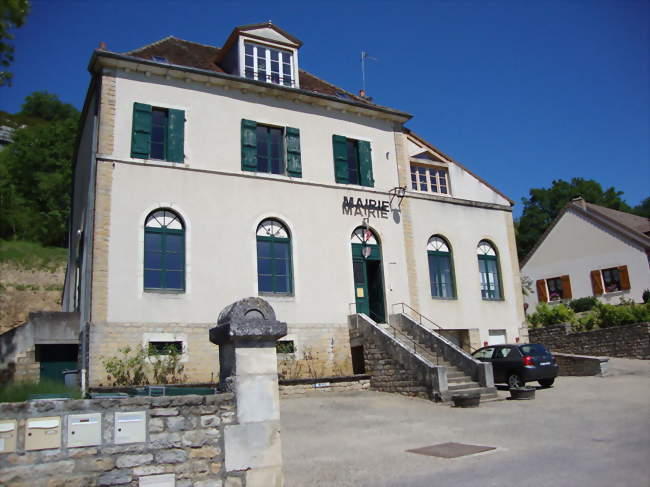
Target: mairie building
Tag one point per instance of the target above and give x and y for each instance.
(203, 175)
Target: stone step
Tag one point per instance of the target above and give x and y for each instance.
(460, 379)
(462, 386)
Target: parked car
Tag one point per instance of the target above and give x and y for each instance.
(517, 364)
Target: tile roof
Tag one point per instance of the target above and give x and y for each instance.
(191, 54)
(633, 222)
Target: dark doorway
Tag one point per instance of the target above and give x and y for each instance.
(54, 359)
(358, 363)
(375, 291)
(368, 276)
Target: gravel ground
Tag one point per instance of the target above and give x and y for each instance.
(583, 431)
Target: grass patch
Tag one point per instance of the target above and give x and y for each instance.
(30, 255)
(20, 391)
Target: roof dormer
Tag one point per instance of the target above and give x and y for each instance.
(262, 52)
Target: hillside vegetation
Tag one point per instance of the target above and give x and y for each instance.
(31, 279)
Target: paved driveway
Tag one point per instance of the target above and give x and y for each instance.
(590, 431)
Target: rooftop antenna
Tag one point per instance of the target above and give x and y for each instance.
(364, 56)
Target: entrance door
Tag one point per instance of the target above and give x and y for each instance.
(368, 278)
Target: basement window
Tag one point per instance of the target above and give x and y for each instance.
(165, 348)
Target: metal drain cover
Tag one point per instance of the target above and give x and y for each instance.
(451, 450)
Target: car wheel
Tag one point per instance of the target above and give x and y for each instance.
(546, 382)
(515, 380)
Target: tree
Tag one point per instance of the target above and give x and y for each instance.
(643, 208)
(12, 15)
(47, 106)
(36, 171)
(544, 204)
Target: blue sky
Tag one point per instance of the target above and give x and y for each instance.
(520, 92)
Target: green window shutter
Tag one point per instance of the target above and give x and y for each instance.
(248, 145)
(365, 164)
(175, 135)
(294, 166)
(340, 158)
(141, 135)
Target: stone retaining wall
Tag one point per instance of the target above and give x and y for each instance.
(629, 341)
(581, 365)
(324, 384)
(184, 442)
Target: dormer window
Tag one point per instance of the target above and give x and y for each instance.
(268, 64)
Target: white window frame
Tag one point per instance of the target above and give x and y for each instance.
(267, 59)
(431, 173)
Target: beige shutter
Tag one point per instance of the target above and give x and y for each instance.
(566, 287)
(542, 296)
(596, 283)
(625, 277)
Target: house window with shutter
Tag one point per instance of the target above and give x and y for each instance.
(270, 149)
(158, 133)
(554, 289)
(610, 280)
(352, 161)
(274, 270)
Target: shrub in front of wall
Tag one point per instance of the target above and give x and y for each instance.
(608, 315)
(583, 304)
(646, 296)
(546, 315)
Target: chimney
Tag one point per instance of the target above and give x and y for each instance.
(362, 93)
(580, 201)
(102, 46)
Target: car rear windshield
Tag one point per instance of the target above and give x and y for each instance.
(533, 350)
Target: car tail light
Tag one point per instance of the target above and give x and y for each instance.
(528, 360)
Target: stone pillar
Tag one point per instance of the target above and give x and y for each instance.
(246, 334)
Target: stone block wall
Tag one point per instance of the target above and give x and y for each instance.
(581, 365)
(387, 375)
(201, 358)
(629, 341)
(184, 441)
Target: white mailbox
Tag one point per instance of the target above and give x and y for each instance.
(43, 433)
(8, 431)
(131, 427)
(84, 430)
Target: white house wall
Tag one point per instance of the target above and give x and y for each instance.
(576, 246)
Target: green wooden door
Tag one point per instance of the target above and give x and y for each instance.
(361, 286)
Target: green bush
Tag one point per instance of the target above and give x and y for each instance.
(646, 296)
(583, 304)
(546, 315)
(608, 315)
(133, 367)
(20, 391)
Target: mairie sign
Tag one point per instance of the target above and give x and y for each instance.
(365, 207)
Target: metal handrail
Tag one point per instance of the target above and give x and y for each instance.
(419, 315)
(403, 338)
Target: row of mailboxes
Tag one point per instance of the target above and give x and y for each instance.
(83, 430)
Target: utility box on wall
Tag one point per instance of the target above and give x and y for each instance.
(43, 433)
(131, 427)
(84, 430)
(8, 432)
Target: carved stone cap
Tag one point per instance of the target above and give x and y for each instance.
(250, 319)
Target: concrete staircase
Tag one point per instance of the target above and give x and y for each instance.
(406, 358)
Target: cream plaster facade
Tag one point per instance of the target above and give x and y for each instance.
(221, 207)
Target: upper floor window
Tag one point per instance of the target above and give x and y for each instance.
(352, 161)
(488, 264)
(268, 64)
(429, 178)
(441, 271)
(270, 149)
(157, 133)
(610, 280)
(274, 272)
(554, 289)
(164, 251)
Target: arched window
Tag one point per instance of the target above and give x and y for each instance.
(488, 265)
(164, 251)
(441, 268)
(274, 274)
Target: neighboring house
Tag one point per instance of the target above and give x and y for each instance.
(6, 136)
(205, 175)
(590, 250)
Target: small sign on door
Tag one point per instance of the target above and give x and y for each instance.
(360, 293)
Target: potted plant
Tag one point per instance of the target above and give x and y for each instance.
(522, 393)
